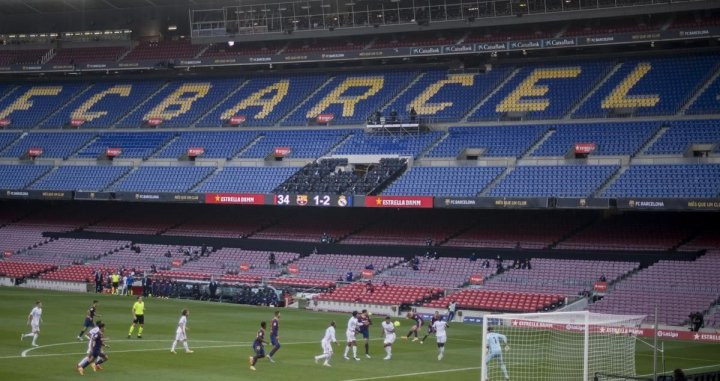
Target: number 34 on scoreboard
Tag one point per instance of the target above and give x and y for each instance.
(318, 199)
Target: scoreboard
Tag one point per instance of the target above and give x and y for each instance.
(312, 199)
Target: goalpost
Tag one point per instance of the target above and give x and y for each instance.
(558, 346)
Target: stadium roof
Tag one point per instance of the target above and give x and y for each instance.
(22, 7)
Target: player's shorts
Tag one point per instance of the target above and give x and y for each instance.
(326, 347)
(115, 284)
(96, 352)
(492, 355)
(441, 339)
(259, 350)
(139, 319)
(350, 336)
(430, 329)
(365, 333)
(274, 341)
(180, 335)
(389, 338)
(88, 323)
(34, 326)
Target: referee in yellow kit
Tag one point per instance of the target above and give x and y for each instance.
(138, 313)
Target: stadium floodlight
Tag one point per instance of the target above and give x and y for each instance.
(231, 43)
(558, 346)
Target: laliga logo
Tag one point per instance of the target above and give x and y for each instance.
(670, 334)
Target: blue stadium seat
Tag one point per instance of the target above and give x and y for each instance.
(667, 180)
(41, 101)
(246, 179)
(362, 143)
(217, 144)
(162, 179)
(620, 138)
(20, 176)
(553, 181)
(375, 89)
(444, 181)
(649, 86)
(296, 89)
(109, 102)
(90, 178)
(498, 141)
(7, 138)
(133, 145)
(303, 144)
(708, 102)
(207, 93)
(542, 92)
(54, 144)
(683, 133)
(451, 95)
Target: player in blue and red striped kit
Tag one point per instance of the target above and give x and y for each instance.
(416, 327)
(431, 328)
(258, 346)
(274, 339)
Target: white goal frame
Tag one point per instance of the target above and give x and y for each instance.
(585, 323)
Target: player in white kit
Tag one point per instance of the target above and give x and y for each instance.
(389, 333)
(180, 334)
(34, 319)
(326, 343)
(441, 336)
(352, 330)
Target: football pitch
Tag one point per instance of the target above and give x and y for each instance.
(221, 336)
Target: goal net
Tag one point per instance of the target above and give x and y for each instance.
(558, 346)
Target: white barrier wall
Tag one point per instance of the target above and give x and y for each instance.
(8, 282)
(330, 306)
(55, 285)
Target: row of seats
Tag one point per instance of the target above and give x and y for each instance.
(650, 87)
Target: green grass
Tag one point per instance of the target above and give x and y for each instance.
(221, 335)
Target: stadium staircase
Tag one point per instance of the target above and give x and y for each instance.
(302, 102)
(550, 132)
(248, 146)
(434, 144)
(658, 134)
(9, 91)
(140, 104)
(9, 146)
(611, 180)
(221, 102)
(402, 92)
(202, 180)
(62, 105)
(592, 91)
(701, 89)
(490, 95)
(121, 178)
(339, 144)
(497, 180)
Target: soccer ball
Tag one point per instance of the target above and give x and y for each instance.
(397, 323)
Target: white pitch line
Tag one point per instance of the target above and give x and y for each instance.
(413, 374)
(236, 344)
(25, 352)
(684, 369)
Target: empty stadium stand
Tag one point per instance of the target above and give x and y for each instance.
(499, 301)
(442, 272)
(553, 181)
(80, 178)
(53, 145)
(670, 180)
(245, 179)
(495, 141)
(444, 181)
(623, 138)
(396, 295)
(134, 145)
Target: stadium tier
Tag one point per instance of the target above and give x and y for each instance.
(334, 267)
(22, 269)
(564, 277)
(131, 144)
(102, 105)
(609, 138)
(682, 134)
(162, 179)
(53, 145)
(357, 293)
(665, 284)
(499, 301)
(523, 93)
(245, 179)
(444, 181)
(672, 180)
(301, 143)
(539, 181)
(80, 178)
(362, 143)
(65, 252)
(351, 98)
(142, 257)
(76, 56)
(413, 228)
(74, 273)
(495, 141)
(643, 87)
(238, 261)
(640, 232)
(442, 272)
(20, 176)
(527, 230)
(28, 105)
(163, 50)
